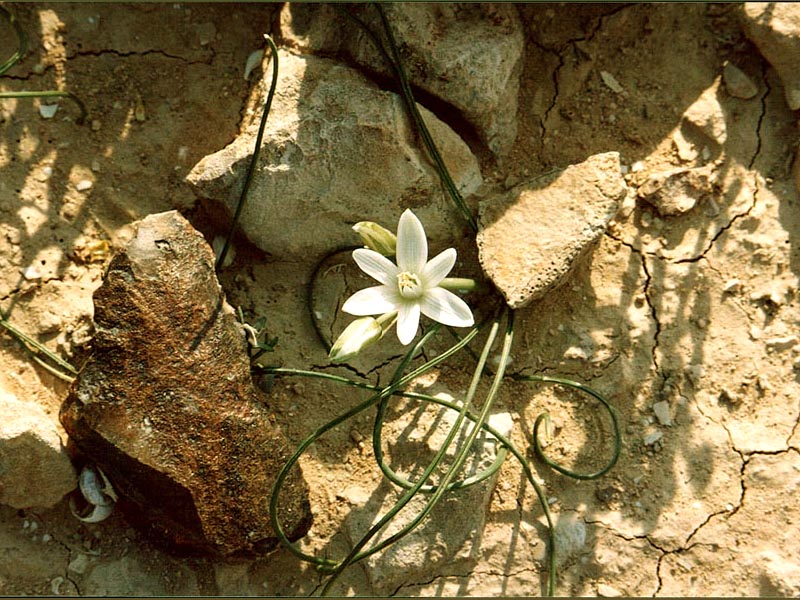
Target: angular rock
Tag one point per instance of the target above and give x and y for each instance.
(337, 150)
(530, 238)
(677, 191)
(166, 406)
(707, 115)
(35, 471)
(774, 27)
(467, 55)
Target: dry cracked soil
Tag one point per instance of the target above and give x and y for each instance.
(686, 322)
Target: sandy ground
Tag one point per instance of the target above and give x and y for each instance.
(698, 311)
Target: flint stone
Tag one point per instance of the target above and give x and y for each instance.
(35, 471)
(530, 238)
(467, 55)
(166, 406)
(774, 27)
(677, 191)
(336, 150)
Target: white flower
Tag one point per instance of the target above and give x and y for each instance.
(411, 286)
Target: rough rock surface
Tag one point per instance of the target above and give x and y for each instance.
(530, 237)
(34, 468)
(707, 115)
(337, 150)
(467, 55)
(677, 191)
(775, 28)
(166, 405)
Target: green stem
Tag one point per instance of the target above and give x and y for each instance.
(257, 150)
(355, 553)
(612, 413)
(34, 348)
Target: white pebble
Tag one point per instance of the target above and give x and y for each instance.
(31, 274)
(732, 286)
(83, 185)
(46, 538)
(652, 438)
(661, 409)
(611, 82)
(48, 111)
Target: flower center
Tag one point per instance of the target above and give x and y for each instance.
(409, 285)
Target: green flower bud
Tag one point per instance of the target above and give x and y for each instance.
(356, 336)
(377, 238)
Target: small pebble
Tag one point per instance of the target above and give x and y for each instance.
(732, 286)
(611, 82)
(95, 165)
(737, 83)
(782, 343)
(31, 274)
(652, 438)
(607, 591)
(48, 111)
(96, 125)
(661, 410)
(83, 185)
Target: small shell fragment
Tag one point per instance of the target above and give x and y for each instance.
(252, 62)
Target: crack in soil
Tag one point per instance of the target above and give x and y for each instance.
(137, 54)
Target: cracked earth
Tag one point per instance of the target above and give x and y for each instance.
(695, 314)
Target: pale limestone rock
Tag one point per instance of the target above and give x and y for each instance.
(337, 150)
(467, 55)
(706, 114)
(530, 238)
(35, 470)
(677, 191)
(775, 28)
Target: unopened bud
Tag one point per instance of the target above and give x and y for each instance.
(356, 336)
(377, 238)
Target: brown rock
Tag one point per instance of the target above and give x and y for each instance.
(166, 406)
(530, 238)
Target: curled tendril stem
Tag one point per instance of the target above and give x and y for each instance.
(612, 413)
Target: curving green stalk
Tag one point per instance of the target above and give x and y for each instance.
(256, 151)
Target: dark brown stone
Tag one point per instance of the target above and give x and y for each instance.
(167, 408)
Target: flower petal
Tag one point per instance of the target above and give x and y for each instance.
(445, 307)
(407, 322)
(376, 300)
(376, 265)
(438, 268)
(412, 246)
